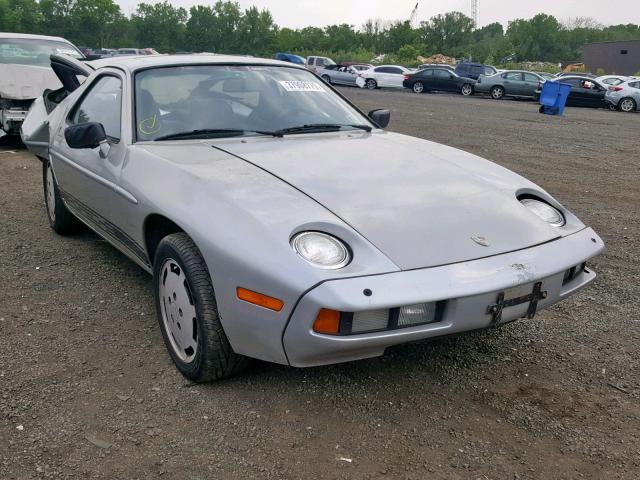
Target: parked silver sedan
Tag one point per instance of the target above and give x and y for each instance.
(624, 96)
(339, 74)
(279, 222)
(512, 83)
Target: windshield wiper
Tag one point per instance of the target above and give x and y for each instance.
(212, 132)
(319, 127)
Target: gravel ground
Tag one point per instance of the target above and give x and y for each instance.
(88, 391)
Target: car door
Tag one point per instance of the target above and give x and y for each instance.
(89, 178)
(396, 77)
(380, 75)
(35, 129)
(513, 83)
(443, 80)
(531, 84)
(593, 94)
(576, 96)
(427, 78)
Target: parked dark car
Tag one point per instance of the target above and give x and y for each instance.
(438, 79)
(474, 70)
(290, 57)
(585, 92)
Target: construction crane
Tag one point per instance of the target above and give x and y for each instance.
(413, 19)
(474, 12)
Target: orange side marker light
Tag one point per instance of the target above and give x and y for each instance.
(259, 299)
(327, 322)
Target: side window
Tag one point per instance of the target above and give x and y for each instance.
(514, 76)
(381, 70)
(574, 82)
(528, 77)
(395, 70)
(427, 73)
(102, 104)
(488, 71)
(635, 85)
(310, 60)
(441, 73)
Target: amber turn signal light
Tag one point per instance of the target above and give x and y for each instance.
(259, 299)
(327, 322)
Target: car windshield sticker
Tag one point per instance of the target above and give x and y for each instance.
(149, 126)
(296, 86)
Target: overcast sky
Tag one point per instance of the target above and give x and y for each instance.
(301, 13)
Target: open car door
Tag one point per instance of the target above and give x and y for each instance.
(35, 129)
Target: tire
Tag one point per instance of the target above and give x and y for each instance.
(61, 220)
(466, 89)
(327, 79)
(627, 105)
(497, 92)
(418, 87)
(371, 84)
(198, 345)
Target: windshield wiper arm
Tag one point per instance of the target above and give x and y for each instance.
(314, 127)
(212, 132)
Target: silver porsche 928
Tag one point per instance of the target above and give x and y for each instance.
(282, 223)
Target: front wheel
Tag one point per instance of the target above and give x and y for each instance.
(61, 220)
(467, 89)
(418, 87)
(327, 79)
(188, 313)
(497, 93)
(627, 105)
(371, 84)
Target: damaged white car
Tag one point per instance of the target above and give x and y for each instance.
(26, 74)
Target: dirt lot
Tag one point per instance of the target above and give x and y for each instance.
(88, 391)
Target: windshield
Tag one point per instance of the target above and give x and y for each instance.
(250, 99)
(29, 51)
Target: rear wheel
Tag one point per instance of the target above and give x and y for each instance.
(467, 89)
(418, 87)
(188, 313)
(627, 105)
(497, 93)
(61, 220)
(371, 84)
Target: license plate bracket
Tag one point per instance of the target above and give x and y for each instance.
(532, 298)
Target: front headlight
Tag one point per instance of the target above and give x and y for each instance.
(545, 211)
(321, 250)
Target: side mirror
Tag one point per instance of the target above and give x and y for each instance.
(451, 76)
(85, 135)
(380, 117)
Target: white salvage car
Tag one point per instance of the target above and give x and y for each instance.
(25, 73)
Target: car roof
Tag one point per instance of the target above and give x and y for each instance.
(33, 37)
(142, 62)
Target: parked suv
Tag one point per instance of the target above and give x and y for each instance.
(315, 63)
(474, 70)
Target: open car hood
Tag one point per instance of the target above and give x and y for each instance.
(26, 82)
(422, 204)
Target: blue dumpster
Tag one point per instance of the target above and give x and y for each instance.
(554, 97)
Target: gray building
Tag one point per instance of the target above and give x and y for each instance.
(622, 58)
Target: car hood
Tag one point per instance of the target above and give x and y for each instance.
(26, 82)
(421, 203)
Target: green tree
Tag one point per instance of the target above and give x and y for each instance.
(448, 34)
(93, 22)
(160, 26)
(256, 31)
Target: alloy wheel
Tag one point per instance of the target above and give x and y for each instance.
(466, 89)
(627, 105)
(418, 87)
(497, 93)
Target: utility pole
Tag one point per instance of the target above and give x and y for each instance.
(474, 12)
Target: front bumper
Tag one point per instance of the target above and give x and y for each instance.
(468, 288)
